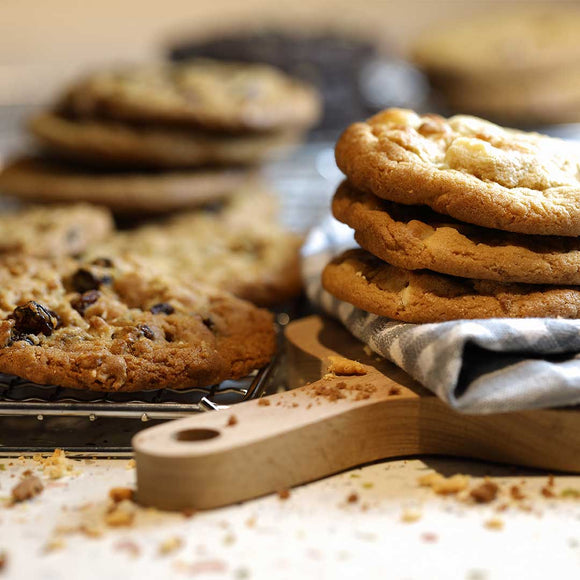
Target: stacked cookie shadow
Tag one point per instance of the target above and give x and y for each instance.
(457, 219)
(517, 66)
(162, 138)
(174, 300)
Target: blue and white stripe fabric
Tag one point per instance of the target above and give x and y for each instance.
(476, 366)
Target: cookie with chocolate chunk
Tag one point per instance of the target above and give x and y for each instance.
(104, 143)
(212, 95)
(422, 296)
(468, 168)
(47, 232)
(104, 326)
(415, 238)
(37, 179)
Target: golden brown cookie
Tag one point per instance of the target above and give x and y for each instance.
(467, 168)
(102, 143)
(502, 43)
(104, 326)
(240, 248)
(415, 237)
(205, 94)
(36, 179)
(47, 232)
(369, 283)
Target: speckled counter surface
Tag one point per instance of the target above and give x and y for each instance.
(350, 525)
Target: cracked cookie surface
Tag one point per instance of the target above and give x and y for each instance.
(104, 326)
(422, 296)
(467, 168)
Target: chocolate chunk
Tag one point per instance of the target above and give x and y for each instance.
(104, 262)
(146, 331)
(33, 318)
(82, 302)
(84, 280)
(162, 308)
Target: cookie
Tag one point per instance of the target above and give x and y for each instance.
(417, 238)
(369, 283)
(502, 43)
(206, 94)
(240, 248)
(539, 99)
(36, 179)
(106, 327)
(468, 168)
(47, 232)
(101, 143)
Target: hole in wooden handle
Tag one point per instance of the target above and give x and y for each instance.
(196, 434)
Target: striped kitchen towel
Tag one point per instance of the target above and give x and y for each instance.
(476, 366)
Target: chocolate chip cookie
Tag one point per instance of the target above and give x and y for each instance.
(47, 232)
(421, 296)
(105, 143)
(206, 94)
(467, 168)
(104, 326)
(37, 179)
(240, 248)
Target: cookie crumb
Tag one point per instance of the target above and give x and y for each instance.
(232, 420)
(53, 545)
(121, 514)
(264, 402)
(341, 366)
(131, 464)
(494, 524)
(119, 494)
(393, 391)
(28, 488)
(3, 560)
(128, 546)
(516, 493)
(352, 498)
(284, 494)
(486, 492)
(444, 485)
(410, 516)
(55, 466)
(170, 545)
(188, 512)
(570, 492)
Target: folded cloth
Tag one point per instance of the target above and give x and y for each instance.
(476, 366)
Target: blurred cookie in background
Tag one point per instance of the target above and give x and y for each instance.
(354, 76)
(515, 66)
(46, 181)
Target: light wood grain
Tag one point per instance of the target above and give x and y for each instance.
(301, 437)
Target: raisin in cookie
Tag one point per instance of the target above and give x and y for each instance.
(47, 232)
(467, 168)
(104, 326)
(100, 143)
(37, 179)
(415, 237)
(369, 283)
(205, 94)
(240, 248)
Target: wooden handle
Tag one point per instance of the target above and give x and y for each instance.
(259, 447)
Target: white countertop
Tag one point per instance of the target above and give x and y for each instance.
(315, 533)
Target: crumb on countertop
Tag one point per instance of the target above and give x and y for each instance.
(494, 524)
(56, 465)
(131, 464)
(445, 485)
(410, 516)
(170, 545)
(26, 489)
(485, 492)
(264, 402)
(284, 494)
(232, 420)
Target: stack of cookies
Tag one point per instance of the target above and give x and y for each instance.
(162, 138)
(172, 302)
(457, 219)
(521, 67)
